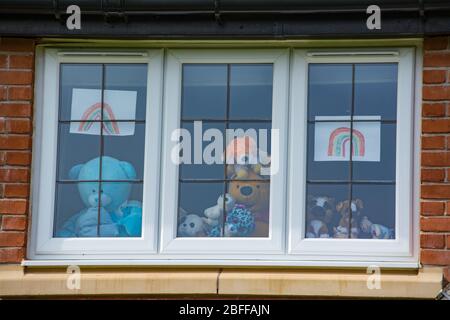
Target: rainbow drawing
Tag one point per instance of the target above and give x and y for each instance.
(94, 113)
(340, 139)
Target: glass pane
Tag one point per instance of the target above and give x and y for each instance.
(251, 91)
(204, 93)
(128, 147)
(323, 219)
(125, 91)
(249, 148)
(77, 210)
(210, 165)
(328, 153)
(200, 211)
(376, 90)
(377, 218)
(379, 162)
(75, 149)
(80, 89)
(248, 213)
(329, 90)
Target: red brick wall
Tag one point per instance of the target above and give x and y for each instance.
(16, 76)
(16, 94)
(435, 191)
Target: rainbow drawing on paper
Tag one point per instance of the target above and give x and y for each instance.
(117, 112)
(93, 113)
(339, 142)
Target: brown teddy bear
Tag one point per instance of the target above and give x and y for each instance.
(344, 207)
(254, 195)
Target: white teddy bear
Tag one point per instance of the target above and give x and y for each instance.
(213, 214)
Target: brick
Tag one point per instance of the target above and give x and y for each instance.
(433, 175)
(432, 208)
(21, 62)
(431, 76)
(15, 191)
(436, 159)
(433, 109)
(435, 257)
(437, 191)
(18, 158)
(12, 239)
(13, 206)
(19, 126)
(436, 59)
(11, 255)
(435, 43)
(436, 125)
(3, 61)
(14, 223)
(14, 175)
(15, 142)
(20, 93)
(435, 224)
(15, 77)
(431, 241)
(15, 109)
(16, 44)
(3, 93)
(433, 142)
(447, 241)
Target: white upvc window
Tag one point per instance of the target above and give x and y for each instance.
(295, 157)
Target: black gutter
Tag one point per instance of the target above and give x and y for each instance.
(220, 19)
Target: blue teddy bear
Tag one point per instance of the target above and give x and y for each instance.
(119, 217)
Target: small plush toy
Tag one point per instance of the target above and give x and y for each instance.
(191, 225)
(319, 216)
(377, 231)
(105, 202)
(213, 214)
(344, 208)
(239, 222)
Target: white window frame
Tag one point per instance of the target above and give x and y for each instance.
(323, 249)
(44, 245)
(286, 244)
(274, 244)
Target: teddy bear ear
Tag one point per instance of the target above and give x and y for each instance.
(129, 169)
(339, 206)
(75, 171)
(359, 203)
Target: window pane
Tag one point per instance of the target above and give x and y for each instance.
(200, 212)
(125, 91)
(77, 210)
(75, 149)
(80, 85)
(249, 149)
(376, 90)
(377, 215)
(204, 93)
(382, 166)
(128, 148)
(251, 91)
(323, 219)
(329, 90)
(327, 160)
(210, 151)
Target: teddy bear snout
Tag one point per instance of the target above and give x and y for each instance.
(94, 200)
(246, 191)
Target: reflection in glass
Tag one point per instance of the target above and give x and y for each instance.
(251, 91)
(204, 94)
(376, 90)
(329, 90)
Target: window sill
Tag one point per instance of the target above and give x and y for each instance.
(19, 281)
